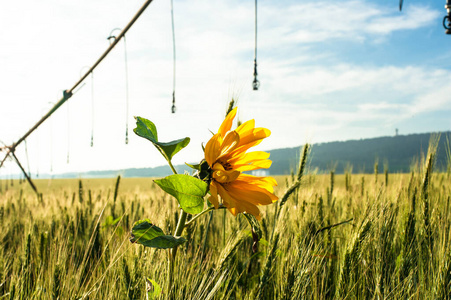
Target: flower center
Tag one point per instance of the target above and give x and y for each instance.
(227, 166)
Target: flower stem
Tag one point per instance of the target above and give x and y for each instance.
(181, 223)
(173, 251)
(198, 215)
(201, 213)
(172, 167)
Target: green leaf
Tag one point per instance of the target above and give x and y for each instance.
(188, 190)
(109, 221)
(148, 130)
(149, 235)
(195, 167)
(153, 289)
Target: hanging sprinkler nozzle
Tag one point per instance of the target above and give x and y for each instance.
(447, 18)
(173, 108)
(255, 83)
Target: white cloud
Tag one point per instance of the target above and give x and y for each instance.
(412, 18)
(438, 99)
(305, 94)
(320, 21)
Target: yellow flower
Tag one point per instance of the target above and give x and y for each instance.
(226, 156)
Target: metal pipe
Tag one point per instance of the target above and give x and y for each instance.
(68, 93)
(26, 175)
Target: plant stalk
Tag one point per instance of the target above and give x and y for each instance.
(171, 166)
(201, 213)
(173, 251)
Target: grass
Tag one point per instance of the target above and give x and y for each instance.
(73, 242)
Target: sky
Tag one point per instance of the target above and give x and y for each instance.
(329, 71)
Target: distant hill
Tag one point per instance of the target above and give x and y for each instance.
(132, 172)
(395, 152)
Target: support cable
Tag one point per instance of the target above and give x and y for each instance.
(68, 133)
(38, 151)
(126, 91)
(92, 109)
(173, 109)
(68, 93)
(255, 83)
(51, 147)
(28, 160)
(92, 105)
(112, 37)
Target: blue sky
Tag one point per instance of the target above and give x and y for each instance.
(329, 70)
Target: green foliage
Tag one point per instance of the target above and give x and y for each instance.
(56, 286)
(147, 129)
(80, 191)
(256, 230)
(57, 240)
(149, 235)
(116, 188)
(189, 191)
(110, 221)
(153, 289)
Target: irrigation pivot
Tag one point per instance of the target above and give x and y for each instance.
(68, 93)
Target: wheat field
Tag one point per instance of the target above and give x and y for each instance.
(348, 236)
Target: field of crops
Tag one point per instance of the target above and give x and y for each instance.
(372, 236)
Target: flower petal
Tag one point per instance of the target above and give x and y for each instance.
(212, 149)
(231, 141)
(262, 164)
(266, 183)
(250, 193)
(227, 200)
(250, 208)
(253, 135)
(227, 123)
(251, 139)
(247, 207)
(213, 195)
(247, 158)
(246, 126)
(234, 211)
